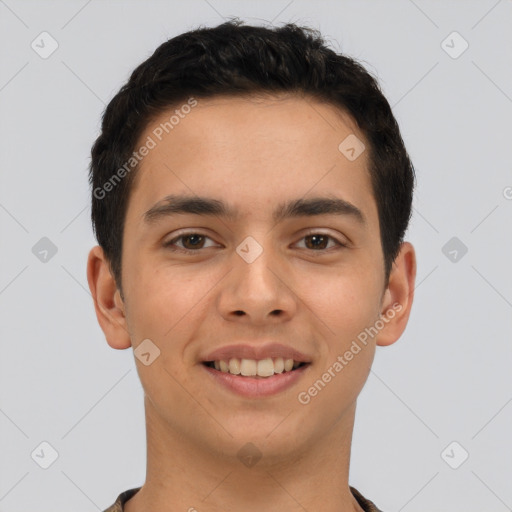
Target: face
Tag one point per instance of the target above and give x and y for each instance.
(279, 256)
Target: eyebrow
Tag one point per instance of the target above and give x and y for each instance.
(184, 204)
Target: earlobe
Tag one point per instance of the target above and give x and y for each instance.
(398, 297)
(109, 306)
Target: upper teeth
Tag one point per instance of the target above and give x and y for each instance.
(253, 367)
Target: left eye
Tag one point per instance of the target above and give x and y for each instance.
(192, 242)
(319, 241)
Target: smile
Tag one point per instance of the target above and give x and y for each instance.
(247, 381)
(255, 368)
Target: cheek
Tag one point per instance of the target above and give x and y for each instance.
(345, 302)
(165, 306)
(343, 307)
(164, 300)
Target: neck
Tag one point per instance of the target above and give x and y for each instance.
(181, 475)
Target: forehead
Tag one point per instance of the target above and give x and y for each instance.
(252, 151)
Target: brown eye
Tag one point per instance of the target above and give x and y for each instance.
(190, 242)
(320, 242)
(193, 241)
(316, 241)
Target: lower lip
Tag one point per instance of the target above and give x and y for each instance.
(250, 387)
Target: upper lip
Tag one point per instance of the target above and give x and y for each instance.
(258, 352)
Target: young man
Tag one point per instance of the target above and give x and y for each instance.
(250, 195)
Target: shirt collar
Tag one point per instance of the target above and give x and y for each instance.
(118, 506)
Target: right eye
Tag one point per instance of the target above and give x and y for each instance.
(191, 242)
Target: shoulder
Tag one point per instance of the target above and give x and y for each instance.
(366, 504)
(118, 506)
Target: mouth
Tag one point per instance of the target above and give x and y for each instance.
(253, 370)
(255, 379)
(262, 369)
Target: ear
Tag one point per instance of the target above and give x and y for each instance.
(398, 296)
(109, 306)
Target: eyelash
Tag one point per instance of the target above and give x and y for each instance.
(170, 243)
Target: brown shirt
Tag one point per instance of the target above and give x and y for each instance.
(118, 506)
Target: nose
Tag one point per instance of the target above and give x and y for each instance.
(258, 292)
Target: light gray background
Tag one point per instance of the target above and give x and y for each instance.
(447, 379)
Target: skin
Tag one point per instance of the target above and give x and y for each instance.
(252, 153)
